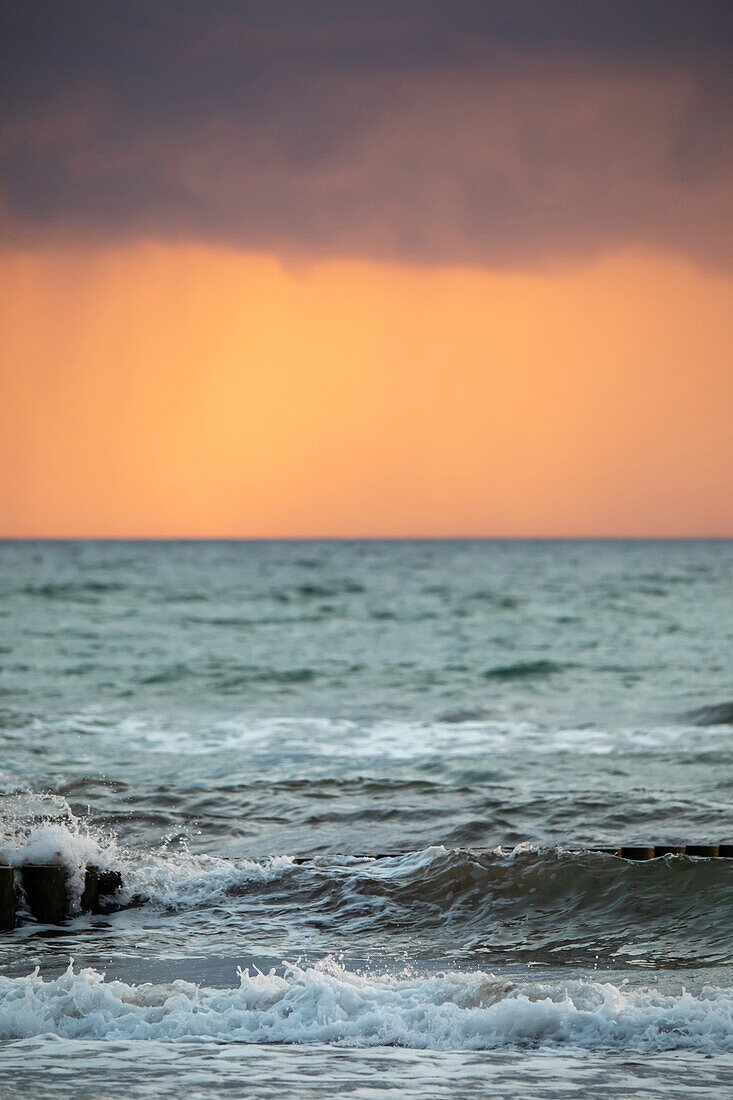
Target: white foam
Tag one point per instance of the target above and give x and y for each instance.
(181, 880)
(43, 829)
(341, 739)
(328, 1004)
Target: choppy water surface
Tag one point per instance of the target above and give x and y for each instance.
(203, 716)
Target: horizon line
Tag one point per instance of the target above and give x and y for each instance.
(365, 538)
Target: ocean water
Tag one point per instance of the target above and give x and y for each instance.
(243, 728)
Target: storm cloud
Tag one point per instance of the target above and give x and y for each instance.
(496, 132)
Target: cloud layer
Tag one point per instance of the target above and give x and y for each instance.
(493, 133)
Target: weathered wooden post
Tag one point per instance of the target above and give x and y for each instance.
(90, 896)
(45, 887)
(98, 884)
(637, 853)
(7, 898)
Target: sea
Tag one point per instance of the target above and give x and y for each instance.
(353, 789)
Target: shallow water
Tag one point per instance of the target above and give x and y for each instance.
(204, 716)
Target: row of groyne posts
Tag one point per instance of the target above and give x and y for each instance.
(704, 851)
(45, 886)
(633, 852)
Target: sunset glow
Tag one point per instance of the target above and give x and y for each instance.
(194, 391)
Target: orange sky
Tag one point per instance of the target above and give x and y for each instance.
(191, 391)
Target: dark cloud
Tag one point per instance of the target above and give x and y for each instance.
(491, 132)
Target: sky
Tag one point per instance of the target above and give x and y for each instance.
(382, 269)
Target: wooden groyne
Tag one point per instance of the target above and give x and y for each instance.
(631, 852)
(45, 887)
(705, 851)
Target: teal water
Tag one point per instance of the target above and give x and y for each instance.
(206, 715)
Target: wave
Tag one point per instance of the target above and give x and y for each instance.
(83, 591)
(522, 670)
(327, 1003)
(719, 714)
(462, 741)
(227, 675)
(529, 904)
(521, 905)
(333, 588)
(524, 905)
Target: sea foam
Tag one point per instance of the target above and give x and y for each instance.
(43, 829)
(328, 1004)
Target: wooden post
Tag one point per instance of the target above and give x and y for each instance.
(90, 895)
(45, 887)
(7, 898)
(97, 885)
(109, 883)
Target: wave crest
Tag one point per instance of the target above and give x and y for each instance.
(328, 1004)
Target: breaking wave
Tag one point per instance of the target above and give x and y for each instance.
(328, 1004)
(524, 904)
